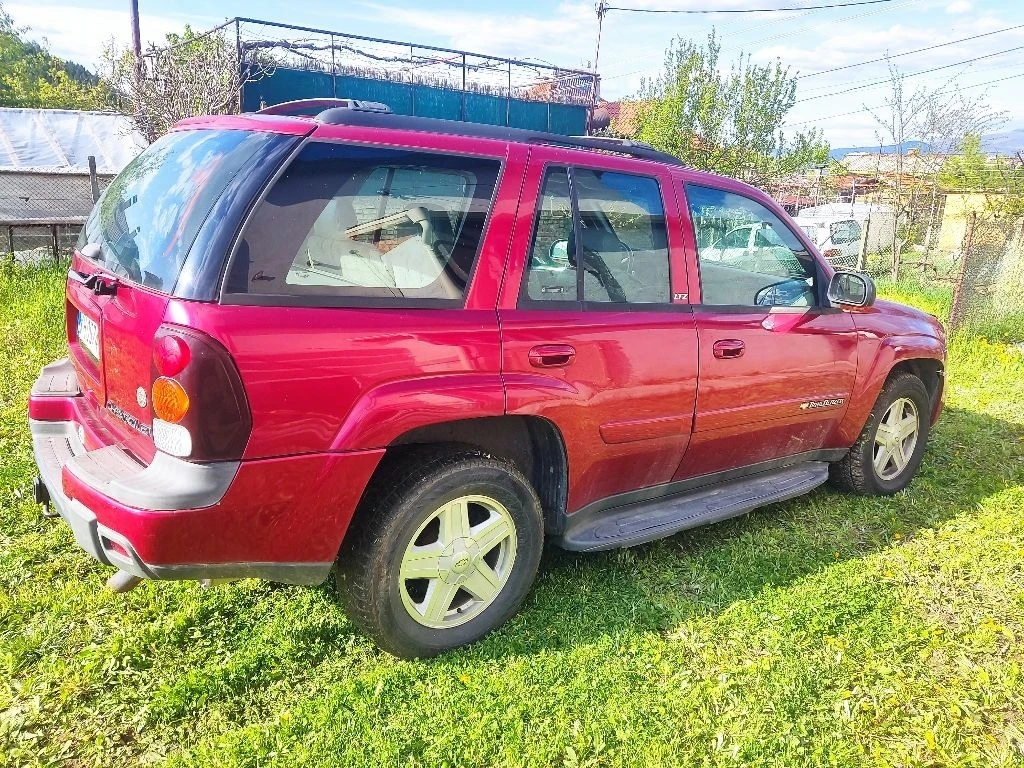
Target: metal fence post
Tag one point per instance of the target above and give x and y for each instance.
(93, 179)
(862, 253)
(463, 105)
(958, 309)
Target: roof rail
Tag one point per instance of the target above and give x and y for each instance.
(342, 115)
(312, 107)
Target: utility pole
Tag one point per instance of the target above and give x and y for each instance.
(602, 9)
(133, 10)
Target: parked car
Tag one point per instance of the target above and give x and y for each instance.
(411, 350)
(839, 229)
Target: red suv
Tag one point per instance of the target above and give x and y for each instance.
(412, 349)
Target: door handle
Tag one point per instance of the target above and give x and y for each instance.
(552, 356)
(728, 348)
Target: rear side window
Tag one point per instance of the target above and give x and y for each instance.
(346, 224)
(619, 233)
(148, 217)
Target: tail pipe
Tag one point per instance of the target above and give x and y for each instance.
(122, 582)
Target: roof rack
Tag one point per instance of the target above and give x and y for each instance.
(312, 107)
(345, 115)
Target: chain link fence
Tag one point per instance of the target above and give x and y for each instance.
(41, 213)
(988, 287)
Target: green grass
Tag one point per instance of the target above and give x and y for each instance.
(829, 630)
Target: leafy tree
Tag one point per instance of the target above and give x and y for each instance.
(729, 123)
(192, 74)
(998, 178)
(31, 77)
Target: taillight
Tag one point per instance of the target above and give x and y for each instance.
(170, 354)
(199, 406)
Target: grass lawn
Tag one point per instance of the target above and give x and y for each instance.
(829, 630)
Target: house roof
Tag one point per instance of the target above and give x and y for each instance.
(873, 163)
(60, 141)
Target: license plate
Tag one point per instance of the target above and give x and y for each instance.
(89, 335)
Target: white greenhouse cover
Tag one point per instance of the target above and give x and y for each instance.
(61, 140)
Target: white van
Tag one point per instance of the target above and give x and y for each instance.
(838, 229)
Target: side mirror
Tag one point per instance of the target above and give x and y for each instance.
(851, 289)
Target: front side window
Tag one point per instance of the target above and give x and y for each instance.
(354, 222)
(615, 251)
(747, 255)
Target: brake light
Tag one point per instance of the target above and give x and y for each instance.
(171, 355)
(199, 405)
(832, 253)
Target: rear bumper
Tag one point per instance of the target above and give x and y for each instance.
(277, 519)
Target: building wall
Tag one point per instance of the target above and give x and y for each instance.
(955, 214)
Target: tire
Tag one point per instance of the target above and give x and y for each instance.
(469, 523)
(865, 469)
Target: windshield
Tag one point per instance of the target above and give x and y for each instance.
(148, 217)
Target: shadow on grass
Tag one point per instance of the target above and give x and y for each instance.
(581, 598)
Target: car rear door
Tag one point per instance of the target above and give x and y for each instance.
(129, 258)
(607, 351)
(777, 364)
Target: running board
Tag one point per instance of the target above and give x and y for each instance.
(639, 523)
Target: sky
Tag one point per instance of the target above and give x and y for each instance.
(633, 44)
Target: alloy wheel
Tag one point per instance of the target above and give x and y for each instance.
(458, 561)
(896, 438)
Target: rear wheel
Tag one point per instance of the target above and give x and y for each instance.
(888, 452)
(445, 550)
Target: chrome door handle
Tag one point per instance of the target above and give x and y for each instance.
(726, 349)
(552, 356)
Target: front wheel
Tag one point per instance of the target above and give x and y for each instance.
(445, 550)
(888, 452)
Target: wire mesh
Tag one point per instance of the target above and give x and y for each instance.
(338, 54)
(42, 213)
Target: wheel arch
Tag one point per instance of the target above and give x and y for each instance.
(922, 356)
(533, 444)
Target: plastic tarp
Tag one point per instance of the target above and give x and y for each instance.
(60, 141)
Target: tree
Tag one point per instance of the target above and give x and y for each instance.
(999, 179)
(31, 77)
(941, 118)
(193, 74)
(726, 123)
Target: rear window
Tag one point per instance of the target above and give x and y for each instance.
(346, 224)
(148, 217)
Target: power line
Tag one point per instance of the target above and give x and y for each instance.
(743, 30)
(912, 74)
(882, 106)
(744, 10)
(907, 53)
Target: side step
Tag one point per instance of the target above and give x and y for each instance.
(646, 521)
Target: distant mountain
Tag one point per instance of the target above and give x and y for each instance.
(1004, 143)
(838, 153)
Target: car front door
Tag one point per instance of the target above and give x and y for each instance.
(777, 363)
(597, 335)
